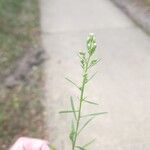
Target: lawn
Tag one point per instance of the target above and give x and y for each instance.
(19, 23)
(21, 111)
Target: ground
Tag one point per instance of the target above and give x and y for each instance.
(21, 111)
(121, 86)
(138, 11)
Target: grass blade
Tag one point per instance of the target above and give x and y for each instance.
(86, 145)
(90, 102)
(92, 77)
(72, 133)
(80, 148)
(86, 124)
(67, 111)
(94, 114)
(73, 108)
(72, 83)
(89, 143)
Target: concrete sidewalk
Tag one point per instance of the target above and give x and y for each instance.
(122, 86)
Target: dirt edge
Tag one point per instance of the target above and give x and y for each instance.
(140, 15)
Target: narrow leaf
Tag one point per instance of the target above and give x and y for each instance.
(72, 133)
(67, 111)
(86, 145)
(93, 63)
(89, 143)
(72, 83)
(94, 114)
(90, 102)
(80, 148)
(92, 77)
(86, 124)
(73, 108)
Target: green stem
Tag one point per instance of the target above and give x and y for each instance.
(81, 100)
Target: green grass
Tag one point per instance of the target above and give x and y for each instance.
(21, 111)
(147, 3)
(18, 25)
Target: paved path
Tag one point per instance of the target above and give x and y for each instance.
(122, 86)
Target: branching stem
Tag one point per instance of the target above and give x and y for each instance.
(87, 62)
(85, 71)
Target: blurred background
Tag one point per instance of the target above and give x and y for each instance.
(31, 28)
(20, 77)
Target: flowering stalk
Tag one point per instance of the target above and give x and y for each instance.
(87, 62)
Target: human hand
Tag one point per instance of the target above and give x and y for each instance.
(25, 143)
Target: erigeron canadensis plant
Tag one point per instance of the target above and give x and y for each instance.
(87, 62)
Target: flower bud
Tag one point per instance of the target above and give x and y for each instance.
(91, 43)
